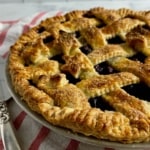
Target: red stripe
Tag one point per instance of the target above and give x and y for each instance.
(19, 119)
(73, 145)
(59, 13)
(1, 144)
(35, 19)
(4, 33)
(17, 123)
(26, 27)
(39, 138)
(9, 22)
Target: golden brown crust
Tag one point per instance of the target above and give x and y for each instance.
(102, 84)
(139, 39)
(53, 67)
(94, 37)
(78, 65)
(109, 51)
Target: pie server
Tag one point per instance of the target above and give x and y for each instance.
(7, 132)
(9, 139)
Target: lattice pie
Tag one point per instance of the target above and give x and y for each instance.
(88, 71)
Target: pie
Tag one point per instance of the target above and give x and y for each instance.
(88, 71)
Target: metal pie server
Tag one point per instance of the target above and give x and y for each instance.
(7, 133)
(8, 136)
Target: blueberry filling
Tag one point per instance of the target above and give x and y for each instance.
(138, 57)
(62, 32)
(58, 58)
(104, 68)
(88, 15)
(100, 25)
(141, 91)
(32, 83)
(99, 102)
(77, 34)
(40, 30)
(115, 40)
(72, 79)
(86, 49)
(146, 27)
(48, 39)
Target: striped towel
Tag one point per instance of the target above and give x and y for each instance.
(31, 134)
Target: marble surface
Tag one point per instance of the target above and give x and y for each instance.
(15, 10)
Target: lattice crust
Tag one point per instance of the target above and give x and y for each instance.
(88, 71)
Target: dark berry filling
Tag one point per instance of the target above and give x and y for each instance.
(72, 79)
(88, 15)
(58, 58)
(86, 49)
(100, 25)
(32, 83)
(141, 91)
(146, 27)
(62, 32)
(48, 39)
(104, 68)
(115, 40)
(99, 102)
(77, 34)
(40, 30)
(138, 57)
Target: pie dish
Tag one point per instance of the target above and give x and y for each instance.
(88, 71)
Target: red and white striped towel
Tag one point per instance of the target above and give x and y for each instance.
(31, 134)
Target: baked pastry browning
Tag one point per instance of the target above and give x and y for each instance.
(88, 71)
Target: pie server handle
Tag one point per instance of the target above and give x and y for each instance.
(8, 136)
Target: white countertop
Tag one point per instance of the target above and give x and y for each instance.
(11, 11)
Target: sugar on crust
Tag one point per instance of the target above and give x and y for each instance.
(66, 67)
